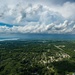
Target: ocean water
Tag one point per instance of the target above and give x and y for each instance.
(41, 37)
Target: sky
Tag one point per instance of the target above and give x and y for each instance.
(37, 16)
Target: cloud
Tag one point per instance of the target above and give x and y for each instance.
(37, 18)
(52, 28)
(61, 26)
(67, 10)
(22, 15)
(21, 10)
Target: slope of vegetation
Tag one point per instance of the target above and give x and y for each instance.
(37, 57)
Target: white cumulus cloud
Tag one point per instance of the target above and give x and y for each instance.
(37, 18)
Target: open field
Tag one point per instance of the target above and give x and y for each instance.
(43, 57)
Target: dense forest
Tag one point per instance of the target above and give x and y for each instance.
(37, 57)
